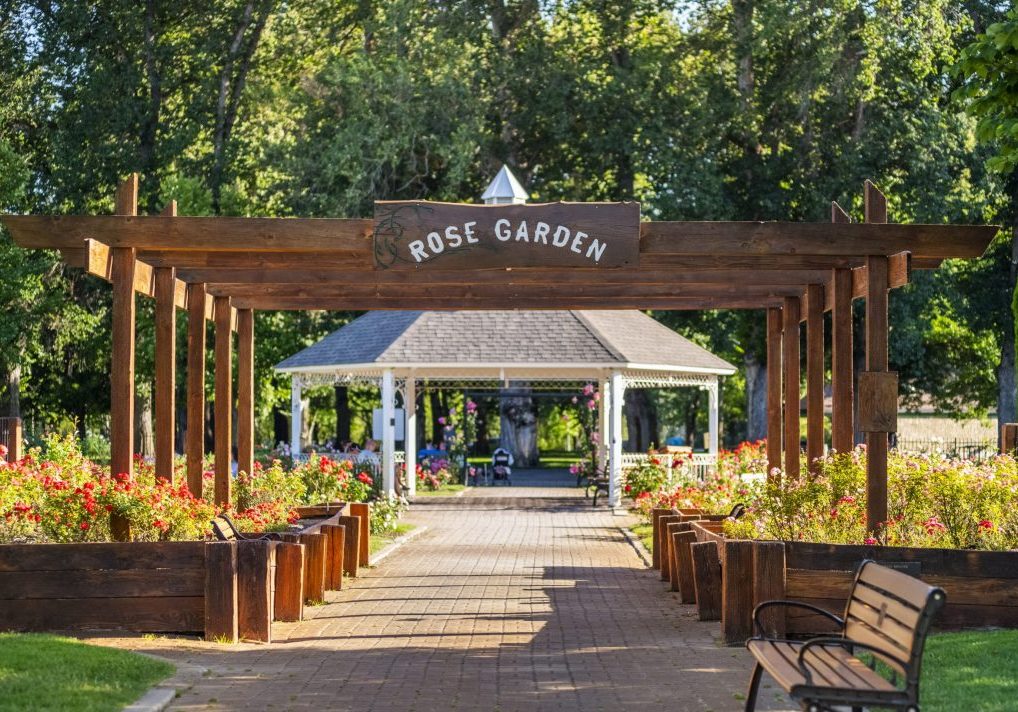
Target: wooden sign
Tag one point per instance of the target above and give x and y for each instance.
(419, 234)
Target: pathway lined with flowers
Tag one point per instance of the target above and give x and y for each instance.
(514, 598)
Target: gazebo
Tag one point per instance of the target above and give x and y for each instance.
(396, 350)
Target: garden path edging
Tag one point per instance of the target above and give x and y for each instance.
(160, 696)
(641, 550)
(396, 543)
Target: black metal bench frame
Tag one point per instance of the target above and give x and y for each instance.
(815, 696)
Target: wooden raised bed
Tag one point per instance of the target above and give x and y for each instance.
(981, 586)
(224, 590)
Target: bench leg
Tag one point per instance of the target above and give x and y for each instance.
(754, 686)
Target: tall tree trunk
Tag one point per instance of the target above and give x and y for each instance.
(1006, 386)
(756, 396)
(280, 426)
(232, 79)
(641, 420)
(342, 415)
(144, 432)
(14, 391)
(518, 418)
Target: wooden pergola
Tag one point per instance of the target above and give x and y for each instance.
(224, 268)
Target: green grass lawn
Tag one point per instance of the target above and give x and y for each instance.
(380, 541)
(48, 672)
(970, 671)
(645, 532)
(443, 491)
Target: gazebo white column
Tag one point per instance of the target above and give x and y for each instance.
(388, 432)
(296, 415)
(618, 389)
(603, 442)
(713, 399)
(410, 434)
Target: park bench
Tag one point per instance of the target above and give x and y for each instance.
(887, 617)
(225, 530)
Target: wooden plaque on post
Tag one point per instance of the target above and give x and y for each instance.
(878, 401)
(417, 234)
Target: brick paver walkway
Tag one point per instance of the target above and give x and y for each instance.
(521, 598)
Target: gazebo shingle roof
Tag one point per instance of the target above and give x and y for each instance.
(509, 337)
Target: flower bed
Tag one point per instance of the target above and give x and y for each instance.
(57, 495)
(951, 523)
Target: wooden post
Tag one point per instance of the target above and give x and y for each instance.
(1008, 438)
(665, 541)
(790, 364)
(707, 579)
(876, 360)
(842, 359)
(673, 570)
(351, 553)
(195, 436)
(166, 371)
(773, 392)
(315, 551)
(245, 390)
(224, 399)
(655, 515)
(335, 550)
(255, 578)
(814, 375)
(737, 590)
(682, 557)
(769, 583)
(362, 510)
(288, 601)
(122, 361)
(221, 591)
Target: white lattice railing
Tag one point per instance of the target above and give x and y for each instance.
(700, 466)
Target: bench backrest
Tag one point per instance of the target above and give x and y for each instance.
(224, 529)
(892, 611)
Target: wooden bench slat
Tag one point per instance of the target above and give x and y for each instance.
(904, 587)
(906, 615)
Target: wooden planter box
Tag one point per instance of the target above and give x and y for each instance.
(224, 590)
(981, 586)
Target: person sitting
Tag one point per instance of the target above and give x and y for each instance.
(369, 454)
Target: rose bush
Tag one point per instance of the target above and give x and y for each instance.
(56, 494)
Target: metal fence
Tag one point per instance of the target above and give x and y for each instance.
(977, 450)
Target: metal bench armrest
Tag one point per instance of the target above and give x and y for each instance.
(846, 643)
(792, 604)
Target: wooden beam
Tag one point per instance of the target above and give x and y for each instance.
(790, 364)
(95, 258)
(195, 436)
(534, 302)
(245, 390)
(165, 373)
(899, 274)
(224, 401)
(468, 292)
(353, 237)
(814, 375)
(773, 392)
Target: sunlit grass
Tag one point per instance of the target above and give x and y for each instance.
(970, 671)
(48, 672)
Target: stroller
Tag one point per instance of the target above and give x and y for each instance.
(501, 466)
